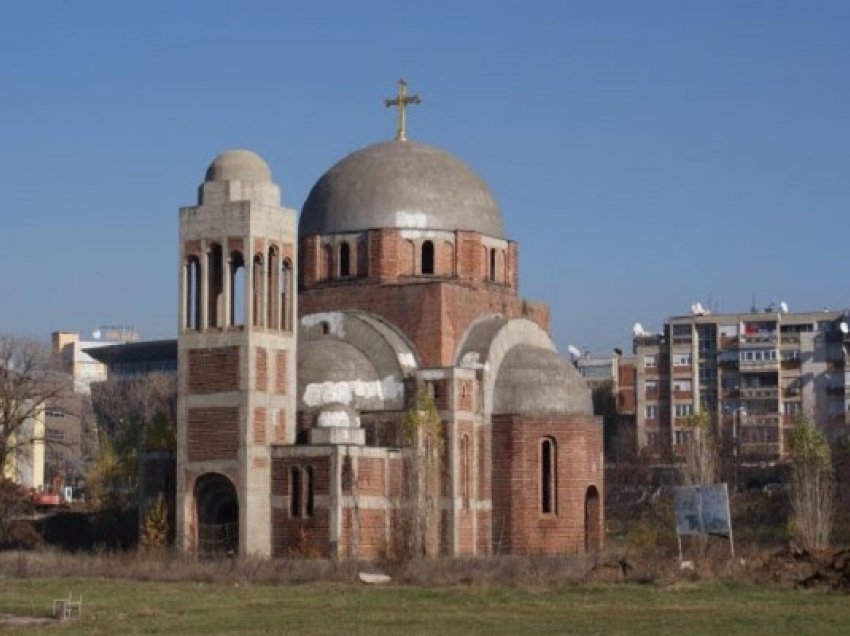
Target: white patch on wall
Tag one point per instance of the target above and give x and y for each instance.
(471, 360)
(333, 318)
(320, 393)
(411, 219)
(432, 375)
(337, 418)
(406, 359)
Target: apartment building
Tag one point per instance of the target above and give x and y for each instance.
(754, 372)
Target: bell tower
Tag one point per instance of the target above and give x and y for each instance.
(236, 348)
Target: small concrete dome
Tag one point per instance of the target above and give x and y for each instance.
(332, 371)
(239, 165)
(538, 381)
(400, 184)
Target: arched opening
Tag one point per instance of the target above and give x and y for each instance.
(286, 295)
(427, 257)
(217, 508)
(257, 291)
(273, 296)
(493, 264)
(362, 259)
(344, 259)
(592, 535)
(215, 285)
(237, 289)
(548, 477)
(193, 293)
(327, 261)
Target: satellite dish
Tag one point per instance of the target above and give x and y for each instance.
(637, 329)
(574, 351)
(844, 328)
(783, 307)
(96, 334)
(618, 352)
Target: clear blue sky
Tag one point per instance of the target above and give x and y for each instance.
(646, 155)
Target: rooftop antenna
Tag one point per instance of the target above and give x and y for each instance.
(753, 308)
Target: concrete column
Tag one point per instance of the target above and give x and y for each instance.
(205, 286)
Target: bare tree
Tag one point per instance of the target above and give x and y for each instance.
(812, 485)
(27, 384)
(420, 511)
(702, 465)
(134, 415)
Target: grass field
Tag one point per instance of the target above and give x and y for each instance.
(116, 607)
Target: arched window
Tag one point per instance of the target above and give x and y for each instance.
(286, 295)
(192, 291)
(344, 259)
(362, 258)
(464, 471)
(295, 491)
(493, 264)
(326, 262)
(272, 285)
(237, 289)
(548, 477)
(427, 257)
(215, 286)
(257, 291)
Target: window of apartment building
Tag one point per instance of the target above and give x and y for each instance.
(649, 361)
(683, 386)
(682, 437)
(684, 410)
(651, 386)
(681, 330)
(792, 408)
(652, 411)
(793, 354)
(682, 359)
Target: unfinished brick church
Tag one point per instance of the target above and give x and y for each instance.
(305, 340)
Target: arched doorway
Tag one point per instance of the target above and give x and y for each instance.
(592, 534)
(218, 515)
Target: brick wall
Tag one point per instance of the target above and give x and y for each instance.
(260, 426)
(262, 369)
(280, 372)
(213, 370)
(300, 535)
(212, 433)
(519, 525)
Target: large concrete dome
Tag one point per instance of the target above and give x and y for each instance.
(239, 165)
(400, 184)
(537, 381)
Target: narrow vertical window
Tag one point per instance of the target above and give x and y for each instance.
(464, 471)
(362, 258)
(327, 260)
(493, 264)
(215, 285)
(286, 295)
(237, 289)
(427, 257)
(273, 296)
(257, 288)
(548, 478)
(344, 259)
(193, 293)
(308, 494)
(295, 491)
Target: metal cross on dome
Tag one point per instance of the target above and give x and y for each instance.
(402, 100)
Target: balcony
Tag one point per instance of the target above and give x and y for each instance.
(758, 365)
(790, 339)
(760, 393)
(758, 339)
(766, 450)
(770, 419)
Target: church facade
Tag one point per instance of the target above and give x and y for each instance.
(309, 344)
